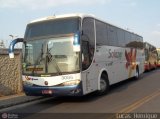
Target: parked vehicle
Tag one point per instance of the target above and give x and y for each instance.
(150, 56)
(158, 62)
(77, 54)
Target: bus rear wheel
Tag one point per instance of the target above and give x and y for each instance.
(137, 73)
(104, 85)
(155, 65)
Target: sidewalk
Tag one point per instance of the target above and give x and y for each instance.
(7, 101)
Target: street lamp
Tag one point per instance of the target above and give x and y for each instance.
(13, 37)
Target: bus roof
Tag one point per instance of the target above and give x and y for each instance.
(62, 16)
(81, 15)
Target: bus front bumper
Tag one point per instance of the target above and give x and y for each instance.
(53, 91)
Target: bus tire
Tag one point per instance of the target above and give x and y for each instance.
(104, 85)
(137, 73)
(149, 67)
(155, 65)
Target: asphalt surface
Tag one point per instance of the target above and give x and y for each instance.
(9, 101)
(130, 96)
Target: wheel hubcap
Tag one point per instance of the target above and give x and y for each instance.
(103, 85)
(137, 74)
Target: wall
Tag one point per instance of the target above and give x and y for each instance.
(10, 73)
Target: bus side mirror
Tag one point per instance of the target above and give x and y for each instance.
(12, 44)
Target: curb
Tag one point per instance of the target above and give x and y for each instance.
(9, 101)
(11, 96)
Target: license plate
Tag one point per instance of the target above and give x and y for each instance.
(47, 92)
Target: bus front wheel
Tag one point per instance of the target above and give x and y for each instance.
(104, 85)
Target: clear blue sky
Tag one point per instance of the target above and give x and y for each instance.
(140, 16)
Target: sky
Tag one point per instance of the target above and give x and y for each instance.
(139, 16)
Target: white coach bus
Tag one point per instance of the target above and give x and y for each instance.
(73, 55)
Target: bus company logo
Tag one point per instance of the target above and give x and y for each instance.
(114, 54)
(131, 60)
(67, 77)
(4, 116)
(130, 57)
(30, 79)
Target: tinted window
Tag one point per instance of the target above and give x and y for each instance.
(139, 42)
(88, 30)
(127, 38)
(87, 42)
(112, 36)
(52, 27)
(133, 38)
(131, 42)
(121, 39)
(86, 61)
(101, 33)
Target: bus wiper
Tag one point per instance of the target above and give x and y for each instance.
(51, 58)
(39, 59)
(40, 56)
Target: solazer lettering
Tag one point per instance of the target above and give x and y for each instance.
(114, 54)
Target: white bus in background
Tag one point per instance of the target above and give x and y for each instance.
(73, 55)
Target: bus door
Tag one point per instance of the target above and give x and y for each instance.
(87, 52)
(89, 68)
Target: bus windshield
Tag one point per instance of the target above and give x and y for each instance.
(49, 47)
(50, 56)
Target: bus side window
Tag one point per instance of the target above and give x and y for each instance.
(85, 55)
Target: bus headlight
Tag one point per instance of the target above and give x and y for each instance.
(71, 83)
(27, 83)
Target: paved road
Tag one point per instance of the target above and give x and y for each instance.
(129, 96)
